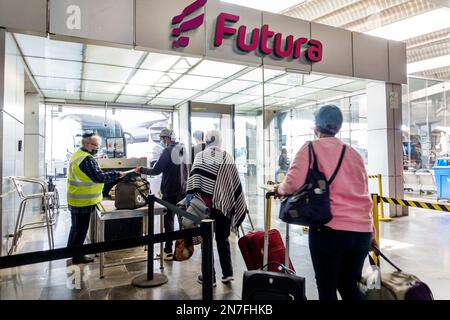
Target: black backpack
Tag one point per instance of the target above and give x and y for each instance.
(131, 192)
(310, 206)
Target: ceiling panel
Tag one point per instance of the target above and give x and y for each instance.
(328, 82)
(177, 93)
(238, 98)
(295, 92)
(159, 62)
(311, 77)
(138, 90)
(61, 94)
(146, 77)
(351, 87)
(51, 49)
(216, 69)
(213, 96)
(69, 85)
(321, 95)
(132, 99)
(164, 102)
(54, 68)
(110, 73)
(101, 87)
(90, 96)
(195, 82)
(235, 86)
(184, 65)
(291, 79)
(269, 88)
(257, 75)
(167, 79)
(112, 56)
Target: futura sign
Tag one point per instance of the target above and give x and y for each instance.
(263, 40)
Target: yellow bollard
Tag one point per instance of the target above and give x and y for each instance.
(380, 191)
(376, 223)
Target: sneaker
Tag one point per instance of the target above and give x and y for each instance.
(227, 279)
(167, 256)
(200, 280)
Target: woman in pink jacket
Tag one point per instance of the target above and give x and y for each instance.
(339, 248)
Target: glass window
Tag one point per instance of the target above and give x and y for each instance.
(65, 126)
(426, 126)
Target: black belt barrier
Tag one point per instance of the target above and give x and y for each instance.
(206, 231)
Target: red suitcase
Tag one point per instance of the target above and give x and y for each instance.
(252, 249)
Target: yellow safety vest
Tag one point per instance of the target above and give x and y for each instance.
(81, 190)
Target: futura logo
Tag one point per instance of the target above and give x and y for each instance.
(184, 26)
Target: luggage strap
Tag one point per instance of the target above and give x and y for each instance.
(379, 253)
(313, 160)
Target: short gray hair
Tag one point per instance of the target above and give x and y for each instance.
(213, 138)
(87, 138)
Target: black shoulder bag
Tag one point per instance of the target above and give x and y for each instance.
(310, 206)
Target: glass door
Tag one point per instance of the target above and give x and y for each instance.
(209, 116)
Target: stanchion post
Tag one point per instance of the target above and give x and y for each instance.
(150, 232)
(150, 279)
(376, 223)
(207, 227)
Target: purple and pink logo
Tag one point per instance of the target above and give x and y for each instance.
(194, 23)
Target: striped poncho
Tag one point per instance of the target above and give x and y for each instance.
(214, 175)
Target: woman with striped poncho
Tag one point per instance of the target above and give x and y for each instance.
(214, 177)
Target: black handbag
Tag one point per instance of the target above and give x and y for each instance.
(310, 206)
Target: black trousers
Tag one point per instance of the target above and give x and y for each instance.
(222, 233)
(338, 258)
(80, 216)
(169, 221)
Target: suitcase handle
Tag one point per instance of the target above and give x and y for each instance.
(280, 266)
(269, 195)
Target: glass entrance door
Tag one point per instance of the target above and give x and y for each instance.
(206, 116)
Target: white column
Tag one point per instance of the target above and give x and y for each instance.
(384, 118)
(34, 137)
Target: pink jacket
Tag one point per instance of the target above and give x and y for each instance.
(351, 205)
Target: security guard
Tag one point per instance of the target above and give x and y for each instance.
(84, 190)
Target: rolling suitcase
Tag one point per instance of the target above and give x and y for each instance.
(252, 249)
(260, 247)
(269, 285)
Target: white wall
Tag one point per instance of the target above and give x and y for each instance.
(12, 131)
(34, 137)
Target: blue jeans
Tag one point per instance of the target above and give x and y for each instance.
(338, 258)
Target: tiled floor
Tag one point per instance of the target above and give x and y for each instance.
(419, 243)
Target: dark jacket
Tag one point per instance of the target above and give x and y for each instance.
(172, 165)
(283, 162)
(196, 149)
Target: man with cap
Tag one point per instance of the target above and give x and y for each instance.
(172, 165)
(338, 249)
